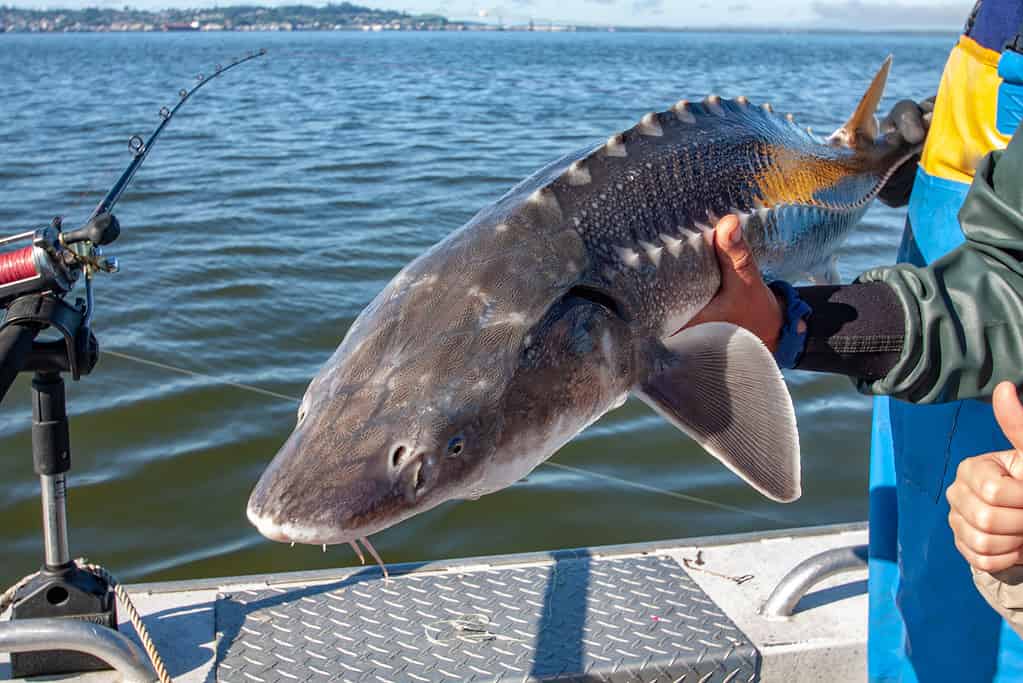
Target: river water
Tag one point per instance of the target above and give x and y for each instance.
(289, 192)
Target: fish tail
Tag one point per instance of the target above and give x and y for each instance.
(861, 129)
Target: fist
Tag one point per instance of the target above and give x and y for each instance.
(986, 498)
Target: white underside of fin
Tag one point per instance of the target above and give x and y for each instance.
(724, 389)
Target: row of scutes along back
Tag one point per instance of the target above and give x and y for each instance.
(791, 177)
(652, 126)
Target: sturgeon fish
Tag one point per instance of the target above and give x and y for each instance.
(490, 351)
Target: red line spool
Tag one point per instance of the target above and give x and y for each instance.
(17, 265)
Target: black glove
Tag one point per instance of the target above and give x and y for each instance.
(907, 122)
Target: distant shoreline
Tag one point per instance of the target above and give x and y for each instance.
(341, 17)
(517, 29)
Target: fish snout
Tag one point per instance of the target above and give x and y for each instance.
(281, 531)
(264, 523)
(314, 492)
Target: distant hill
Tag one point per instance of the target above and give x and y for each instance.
(343, 16)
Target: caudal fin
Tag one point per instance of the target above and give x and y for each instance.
(861, 128)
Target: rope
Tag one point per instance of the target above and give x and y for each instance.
(7, 599)
(133, 616)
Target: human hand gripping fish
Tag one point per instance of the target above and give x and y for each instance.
(489, 352)
(744, 299)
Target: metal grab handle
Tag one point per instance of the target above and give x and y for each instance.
(809, 573)
(113, 647)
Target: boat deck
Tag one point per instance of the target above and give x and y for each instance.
(684, 610)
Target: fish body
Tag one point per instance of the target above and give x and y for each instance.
(499, 344)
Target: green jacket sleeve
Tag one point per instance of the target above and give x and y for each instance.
(964, 312)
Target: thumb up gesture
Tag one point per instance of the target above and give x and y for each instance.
(986, 497)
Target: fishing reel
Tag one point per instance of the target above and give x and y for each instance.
(51, 260)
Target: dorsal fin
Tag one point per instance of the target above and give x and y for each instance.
(861, 128)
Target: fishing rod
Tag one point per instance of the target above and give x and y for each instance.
(52, 260)
(140, 149)
(37, 270)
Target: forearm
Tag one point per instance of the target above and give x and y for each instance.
(856, 330)
(947, 332)
(952, 330)
(963, 330)
(964, 312)
(1004, 592)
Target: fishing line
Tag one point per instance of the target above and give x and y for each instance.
(192, 373)
(674, 494)
(568, 468)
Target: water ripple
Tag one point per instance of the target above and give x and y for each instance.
(285, 196)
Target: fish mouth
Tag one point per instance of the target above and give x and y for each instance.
(287, 532)
(284, 528)
(293, 533)
(277, 527)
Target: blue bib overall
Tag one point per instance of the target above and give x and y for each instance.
(927, 621)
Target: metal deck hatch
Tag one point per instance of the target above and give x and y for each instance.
(576, 618)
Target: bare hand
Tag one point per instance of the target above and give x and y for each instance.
(743, 299)
(986, 498)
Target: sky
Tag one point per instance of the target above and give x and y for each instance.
(858, 14)
(925, 14)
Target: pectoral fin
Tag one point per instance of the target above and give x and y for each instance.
(720, 385)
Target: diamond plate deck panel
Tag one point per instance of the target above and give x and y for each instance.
(576, 619)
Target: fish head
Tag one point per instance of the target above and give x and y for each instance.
(397, 417)
(464, 373)
(363, 457)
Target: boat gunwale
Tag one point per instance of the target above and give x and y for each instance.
(489, 561)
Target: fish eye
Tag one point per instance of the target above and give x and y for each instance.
(456, 446)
